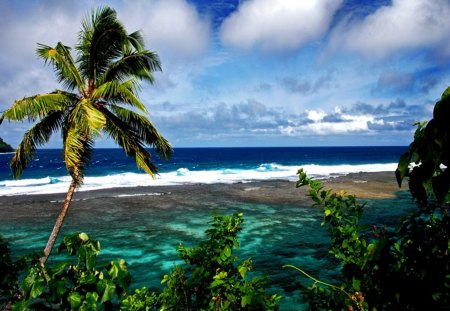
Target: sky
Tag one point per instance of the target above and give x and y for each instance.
(256, 72)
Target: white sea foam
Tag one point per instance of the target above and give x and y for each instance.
(141, 194)
(269, 171)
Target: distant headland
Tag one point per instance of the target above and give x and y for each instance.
(4, 147)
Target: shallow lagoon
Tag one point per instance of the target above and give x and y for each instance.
(146, 236)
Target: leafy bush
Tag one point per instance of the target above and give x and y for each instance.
(429, 179)
(76, 285)
(406, 269)
(213, 279)
(9, 271)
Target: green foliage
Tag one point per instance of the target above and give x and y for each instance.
(213, 279)
(4, 147)
(76, 285)
(140, 300)
(9, 271)
(429, 179)
(341, 217)
(406, 269)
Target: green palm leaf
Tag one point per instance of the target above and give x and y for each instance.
(101, 41)
(144, 129)
(117, 92)
(77, 151)
(63, 64)
(130, 141)
(38, 106)
(137, 40)
(38, 135)
(139, 64)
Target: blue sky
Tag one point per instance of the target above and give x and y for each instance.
(257, 72)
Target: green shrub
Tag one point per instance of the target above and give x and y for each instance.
(213, 279)
(9, 271)
(76, 285)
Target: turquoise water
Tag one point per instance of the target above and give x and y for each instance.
(146, 237)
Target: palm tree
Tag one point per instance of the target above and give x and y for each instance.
(99, 87)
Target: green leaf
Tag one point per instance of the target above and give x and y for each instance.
(91, 258)
(221, 275)
(75, 299)
(59, 268)
(356, 284)
(95, 120)
(83, 236)
(165, 279)
(242, 271)
(107, 289)
(60, 287)
(91, 298)
(227, 251)
(29, 280)
(20, 306)
(446, 93)
(38, 287)
(403, 167)
(245, 300)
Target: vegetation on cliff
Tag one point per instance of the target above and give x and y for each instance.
(4, 147)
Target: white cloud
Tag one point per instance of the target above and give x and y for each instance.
(23, 74)
(278, 26)
(315, 115)
(345, 122)
(349, 124)
(39, 23)
(171, 26)
(403, 25)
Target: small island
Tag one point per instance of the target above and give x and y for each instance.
(4, 147)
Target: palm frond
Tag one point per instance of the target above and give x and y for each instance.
(77, 152)
(87, 118)
(137, 40)
(61, 60)
(38, 106)
(38, 135)
(144, 130)
(101, 40)
(82, 125)
(137, 64)
(119, 92)
(128, 139)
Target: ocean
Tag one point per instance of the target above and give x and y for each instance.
(145, 229)
(110, 168)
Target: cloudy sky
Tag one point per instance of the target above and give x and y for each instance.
(257, 72)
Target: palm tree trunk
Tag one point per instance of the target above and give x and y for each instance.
(59, 221)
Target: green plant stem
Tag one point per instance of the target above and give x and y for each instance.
(316, 280)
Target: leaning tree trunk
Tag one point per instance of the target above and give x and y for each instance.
(59, 221)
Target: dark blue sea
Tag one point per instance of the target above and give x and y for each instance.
(145, 231)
